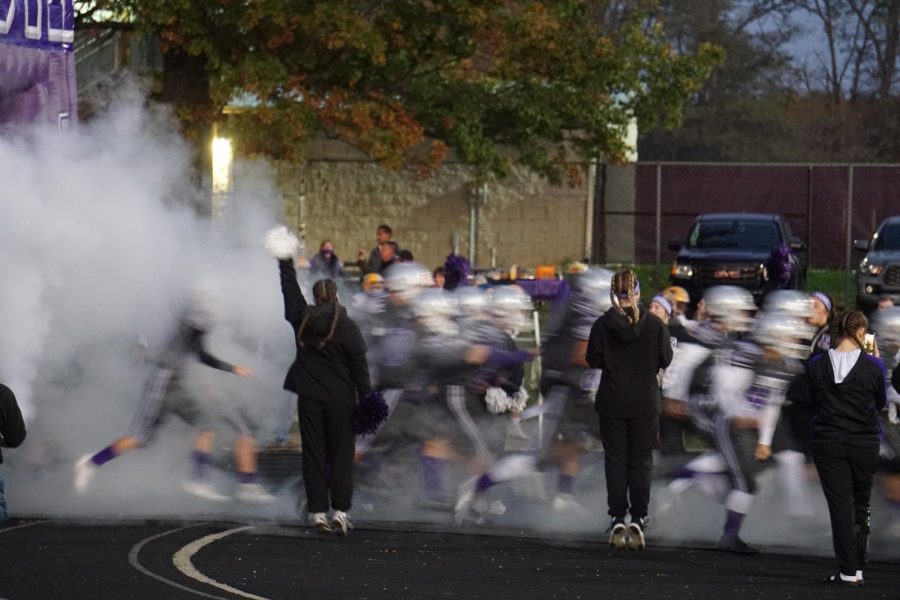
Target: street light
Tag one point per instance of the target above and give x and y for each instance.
(222, 180)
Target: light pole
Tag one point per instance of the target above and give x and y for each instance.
(222, 174)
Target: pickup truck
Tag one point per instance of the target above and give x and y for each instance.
(752, 250)
(879, 272)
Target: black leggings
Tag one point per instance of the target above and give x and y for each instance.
(846, 473)
(628, 453)
(326, 433)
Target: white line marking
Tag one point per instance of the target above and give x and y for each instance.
(5, 529)
(182, 562)
(133, 560)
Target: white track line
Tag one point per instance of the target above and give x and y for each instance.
(5, 529)
(182, 562)
(133, 560)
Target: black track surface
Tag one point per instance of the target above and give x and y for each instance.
(55, 560)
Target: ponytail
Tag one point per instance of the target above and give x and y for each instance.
(625, 286)
(324, 294)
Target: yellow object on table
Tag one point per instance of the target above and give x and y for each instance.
(545, 272)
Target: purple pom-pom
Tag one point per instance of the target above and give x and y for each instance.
(369, 414)
(458, 269)
(779, 265)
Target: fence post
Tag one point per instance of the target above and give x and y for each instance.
(658, 214)
(809, 215)
(848, 234)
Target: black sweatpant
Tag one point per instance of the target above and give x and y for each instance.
(846, 473)
(628, 451)
(326, 433)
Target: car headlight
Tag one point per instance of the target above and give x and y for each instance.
(682, 271)
(868, 268)
(764, 272)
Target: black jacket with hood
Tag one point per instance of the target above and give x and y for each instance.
(338, 370)
(12, 426)
(630, 357)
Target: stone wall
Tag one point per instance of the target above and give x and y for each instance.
(341, 196)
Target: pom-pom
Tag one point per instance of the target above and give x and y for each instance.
(281, 243)
(518, 401)
(457, 271)
(779, 265)
(496, 401)
(369, 414)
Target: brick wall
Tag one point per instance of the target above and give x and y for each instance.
(344, 198)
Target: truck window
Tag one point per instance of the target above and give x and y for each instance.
(734, 234)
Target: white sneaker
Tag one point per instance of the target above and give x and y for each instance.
(617, 535)
(84, 472)
(203, 489)
(340, 524)
(253, 493)
(320, 522)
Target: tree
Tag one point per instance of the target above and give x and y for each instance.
(408, 81)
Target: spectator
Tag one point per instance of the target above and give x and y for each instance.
(662, 308)
(848, 390)
(885, 303)
(388, 256)
(440, 277)
(372, 264)
(405, 256)
(12, 433)
(325, 263)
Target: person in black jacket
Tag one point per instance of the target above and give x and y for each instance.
(330, 375)
(12, 433)
(630, 347)
(847, 386)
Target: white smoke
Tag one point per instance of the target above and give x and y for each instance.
(100, 247)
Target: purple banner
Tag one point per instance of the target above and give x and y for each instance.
(37, 66)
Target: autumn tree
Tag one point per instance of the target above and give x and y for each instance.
(408, 81)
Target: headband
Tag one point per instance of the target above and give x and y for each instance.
(662, 301)
(637, 291)
(821, 297)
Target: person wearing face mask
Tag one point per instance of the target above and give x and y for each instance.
(848, 389)
(326, 262)
(631, 348)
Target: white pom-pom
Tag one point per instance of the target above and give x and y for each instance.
(496, 401)
(281, 243)
(519, 401)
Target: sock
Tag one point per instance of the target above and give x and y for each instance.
(484, 483)
(432, 475)
(201, 461)
(247, 477)
(104, 456)
(733, 523)
(859, 575)
(565, 484)
(848, 577)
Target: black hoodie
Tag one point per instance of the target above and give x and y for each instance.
(338, 370)
(630, 356)
(12, 426)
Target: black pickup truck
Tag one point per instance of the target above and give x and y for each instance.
(879, 272)
(751, 250)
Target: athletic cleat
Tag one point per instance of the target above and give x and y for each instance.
(203, 489)
(617, 534)
(465, 500)
(735, 545)
(636, 534)
(320, 522)
(567, 503)
(340, 524)
(84, 472)
(253, 493)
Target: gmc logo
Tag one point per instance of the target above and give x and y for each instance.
(727, 274)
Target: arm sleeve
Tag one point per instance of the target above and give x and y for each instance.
(768, 420)
(356, 358)
(12, 425)
(665, 348)
(197, 347)
(881, 398)
(294, 302)
(594, 353)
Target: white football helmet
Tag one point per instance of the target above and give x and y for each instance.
(407, 279)
(730, 306)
